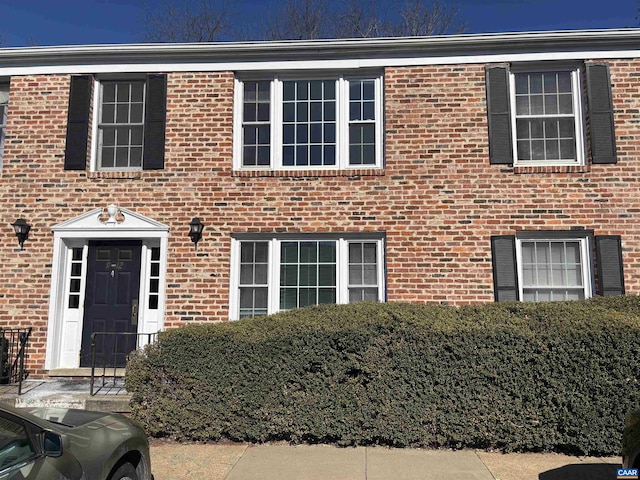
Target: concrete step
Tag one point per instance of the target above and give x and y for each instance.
(64, 393)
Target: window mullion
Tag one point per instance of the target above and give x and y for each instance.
(276, 124)
(579, 117)
(379, 112)
(342, 271)
(342, 123)
(273, 290)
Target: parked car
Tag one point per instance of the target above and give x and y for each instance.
(631, 441)
(48, 443)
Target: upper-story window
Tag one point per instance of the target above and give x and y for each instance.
(547, 117)
(121, 125)
(4, 105)
(306, 124)
(129, 123)
(537, 114)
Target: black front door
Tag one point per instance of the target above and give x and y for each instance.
(111, 301)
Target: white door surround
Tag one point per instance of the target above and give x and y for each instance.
(68, 274)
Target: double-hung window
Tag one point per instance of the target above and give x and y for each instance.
(538, 114)
(121, 125)
(127, 119)
(556, 265)
(555, 269)
(311, 123)
(287, 272)
(547, 117)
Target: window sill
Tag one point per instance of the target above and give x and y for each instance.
(356, 172)
(552, 169)
(115, 175)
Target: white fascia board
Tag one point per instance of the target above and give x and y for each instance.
(315, 65)
(322, 54)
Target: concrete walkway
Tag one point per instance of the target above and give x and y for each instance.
(172, 461)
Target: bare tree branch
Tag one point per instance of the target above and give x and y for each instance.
(210, 20)
(189, 21)
(298, 20)
(408, 18)
(360, 19)
(418, 19)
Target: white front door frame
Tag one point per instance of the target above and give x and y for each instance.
(64, 331)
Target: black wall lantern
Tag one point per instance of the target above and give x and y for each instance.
(22, 229)
(195, 231)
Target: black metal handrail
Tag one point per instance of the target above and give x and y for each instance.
(14, 348)
(149, 337)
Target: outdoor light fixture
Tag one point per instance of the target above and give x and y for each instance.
(21, 228)
(195, 231)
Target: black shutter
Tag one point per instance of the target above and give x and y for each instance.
(155, 122)
(499, 114)
(609, 259)
(603, 141)
(505, 274)
(75, 155)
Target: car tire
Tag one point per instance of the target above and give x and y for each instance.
(126, 471)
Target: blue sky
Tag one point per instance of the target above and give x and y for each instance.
(44, 22)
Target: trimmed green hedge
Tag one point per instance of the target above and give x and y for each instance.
(518, 377)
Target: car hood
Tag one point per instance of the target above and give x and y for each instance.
(70, 417)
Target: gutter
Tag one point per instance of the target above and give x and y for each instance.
(340, 49)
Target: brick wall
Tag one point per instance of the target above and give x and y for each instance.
(438, 199)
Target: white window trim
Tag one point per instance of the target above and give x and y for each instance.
(273, 272)
(579, 119)
(95, 122)
(585, 253)
(275, 116)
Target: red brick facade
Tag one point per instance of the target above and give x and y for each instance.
(438, 200)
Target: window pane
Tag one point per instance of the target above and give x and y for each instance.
(153, 302)
(108, 92)
(76, 269)
(369, 275)
(74, 301)
(355, 274)
(551, 270)
(108, 114)
(307, 297)
(327, 275)
(288, 298)
(535, 83)
(289, 275)
(308, 275)
(107, 157)
(263, 112)
(326, 296)
(246, 274)
(308, 251)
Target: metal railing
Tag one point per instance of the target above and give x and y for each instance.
(109, 360)
(14, 348)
